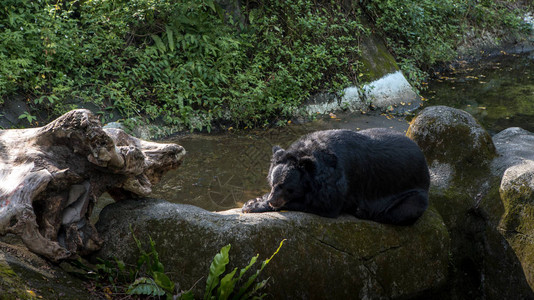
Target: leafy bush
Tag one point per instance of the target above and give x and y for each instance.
(185, 63)
(178, 62)
(227, 286)
(156, 282)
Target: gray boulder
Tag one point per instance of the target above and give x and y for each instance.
(465, 191)
(458, 151)
(516, 164)
(514, 146)
(322, 258)
(451, 136)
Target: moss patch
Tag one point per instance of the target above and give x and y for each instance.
(11, 285)
(376, 59)
(451, 136)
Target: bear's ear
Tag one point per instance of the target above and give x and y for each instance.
(278, 151)
(307, 163)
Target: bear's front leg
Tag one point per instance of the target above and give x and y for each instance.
(257, 205)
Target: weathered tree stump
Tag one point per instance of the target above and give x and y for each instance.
(52, 176)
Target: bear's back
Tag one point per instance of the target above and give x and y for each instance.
(344, 142)
(329, 141)
(368, 157)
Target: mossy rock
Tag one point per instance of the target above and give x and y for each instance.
(377, 60)
(465, 191)
(322, 258)
(517, 223)
(516, 165)
(458, 151)
(451, 136)
(517, 194)
(11, 284)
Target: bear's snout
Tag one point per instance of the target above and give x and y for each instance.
(276, 199)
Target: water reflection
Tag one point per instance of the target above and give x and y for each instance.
(499, 92)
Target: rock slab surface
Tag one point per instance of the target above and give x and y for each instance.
(321, 259)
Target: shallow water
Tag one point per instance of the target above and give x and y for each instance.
(498, 92)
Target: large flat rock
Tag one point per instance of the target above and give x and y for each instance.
(322, 258)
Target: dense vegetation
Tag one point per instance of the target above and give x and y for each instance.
(187, 63)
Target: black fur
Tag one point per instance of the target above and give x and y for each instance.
(374, 174)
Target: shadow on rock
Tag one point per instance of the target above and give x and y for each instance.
(466, 192)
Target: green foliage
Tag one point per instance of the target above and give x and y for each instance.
(297, 48)
(217, 267)
(423, 33)
(178, 62)
(227, 285)
(26, 115)
(186, 64)
(147, 277)
(145, 286)
(157, 283)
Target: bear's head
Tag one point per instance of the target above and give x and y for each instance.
(289, 177)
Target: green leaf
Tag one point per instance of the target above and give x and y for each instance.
(164, 282)
(145, 286)
(258, 286)
(159, 43)
(26, 115)
(265, 262)
(211, 4)
(120, 265)
(247, 284)
(187, 296)
(137, 242)
(227, 285)
(252, 261)
(217, 267)
(170, 37)
(251, 279)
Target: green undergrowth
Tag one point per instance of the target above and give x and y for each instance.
(148, 278)
(189, 64)
(181, 63)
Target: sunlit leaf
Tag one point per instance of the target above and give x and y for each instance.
(217, 267)
(170, 37)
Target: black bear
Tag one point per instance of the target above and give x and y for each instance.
(375, 174)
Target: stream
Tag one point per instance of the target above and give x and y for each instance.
(224, 170)
(498, 92)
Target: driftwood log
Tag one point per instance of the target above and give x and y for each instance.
(52, 176)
